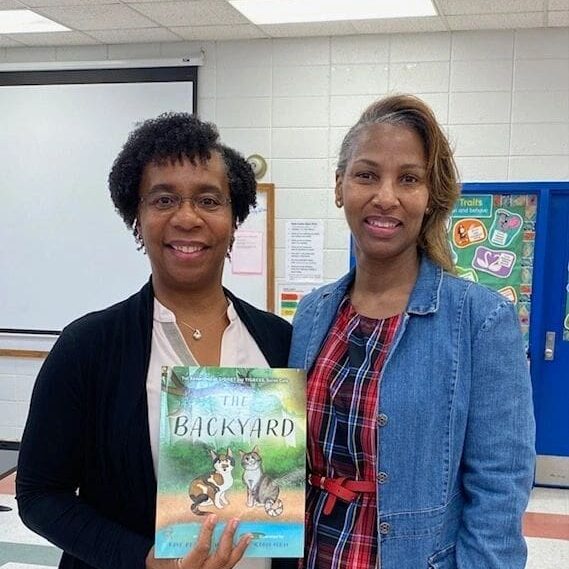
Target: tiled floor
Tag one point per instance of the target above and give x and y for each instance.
(546, 527)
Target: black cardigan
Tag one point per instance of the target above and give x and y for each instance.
(88, 429)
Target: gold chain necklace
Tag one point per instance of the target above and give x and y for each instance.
(197, 332)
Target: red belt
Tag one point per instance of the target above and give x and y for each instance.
(343, 488)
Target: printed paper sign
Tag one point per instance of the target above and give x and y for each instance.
(473, 206)
(289, 297)
(247, 253)
(305, 250)
(468, 232)
(505, 227)
(468, 274)
(510, 293)
(497, 263)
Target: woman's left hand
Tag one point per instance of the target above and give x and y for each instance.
(225, 556)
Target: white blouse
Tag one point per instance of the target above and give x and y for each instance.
(238, 349)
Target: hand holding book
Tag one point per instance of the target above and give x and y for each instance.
(225, 556)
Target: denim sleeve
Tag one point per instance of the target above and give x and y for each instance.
(499, 452)
(50, 464)
(301, 329)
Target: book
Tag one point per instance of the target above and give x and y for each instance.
(233, 443)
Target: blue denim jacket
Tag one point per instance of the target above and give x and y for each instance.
(458, 443)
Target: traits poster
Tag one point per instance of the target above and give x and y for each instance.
(492, 240)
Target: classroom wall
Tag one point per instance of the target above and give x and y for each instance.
(502, 95)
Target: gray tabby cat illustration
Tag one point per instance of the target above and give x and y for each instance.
(261, 489)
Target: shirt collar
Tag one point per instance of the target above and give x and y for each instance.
(163, 314)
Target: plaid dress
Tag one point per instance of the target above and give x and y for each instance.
(343, 390)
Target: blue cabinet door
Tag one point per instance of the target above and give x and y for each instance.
(550, 356)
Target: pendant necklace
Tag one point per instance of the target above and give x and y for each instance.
(197, 332)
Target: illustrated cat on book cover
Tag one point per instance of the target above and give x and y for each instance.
(261, 488)
(211, 488)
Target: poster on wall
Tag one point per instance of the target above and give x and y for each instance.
(492, 240)
(289, 296)
(304, 253)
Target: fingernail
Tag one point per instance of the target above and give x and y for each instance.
(212, 520)
(234, 522)
(249, 538)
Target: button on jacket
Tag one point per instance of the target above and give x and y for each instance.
(456, 448)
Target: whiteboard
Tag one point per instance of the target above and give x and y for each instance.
(64, 251)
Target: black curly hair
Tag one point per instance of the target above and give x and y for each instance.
(174, 136)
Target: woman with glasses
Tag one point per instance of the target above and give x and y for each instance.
(420, 418)
(88, 459)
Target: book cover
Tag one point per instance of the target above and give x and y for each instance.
(233, 443)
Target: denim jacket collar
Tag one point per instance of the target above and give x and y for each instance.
(324, 304)
(425, 295)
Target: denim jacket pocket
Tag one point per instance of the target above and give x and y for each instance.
(443, 559)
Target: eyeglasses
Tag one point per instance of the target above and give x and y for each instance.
(169, 202)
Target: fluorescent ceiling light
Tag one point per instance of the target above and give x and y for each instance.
(26, 21)
(294, 11)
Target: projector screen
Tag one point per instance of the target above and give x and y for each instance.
(64, 251)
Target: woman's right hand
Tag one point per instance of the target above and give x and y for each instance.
(225, 556)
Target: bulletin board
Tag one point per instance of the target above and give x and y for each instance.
(250, 273)
(492, 239)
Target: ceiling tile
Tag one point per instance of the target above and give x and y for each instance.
(396, 25)
(458, 7)
(55, 39)
(495, 21)
(11, 5)
(142, 35)
(240, 31)
(309, 29)
(156, 1)
(42, 3)
(97, 17)
(192, 13)
(558, 19)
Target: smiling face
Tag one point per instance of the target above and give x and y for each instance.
(385, 194)
(186, 246)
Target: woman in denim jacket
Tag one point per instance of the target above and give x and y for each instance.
(421, 431)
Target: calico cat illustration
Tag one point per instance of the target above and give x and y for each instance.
(210, 488)
(261, 488)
